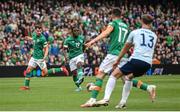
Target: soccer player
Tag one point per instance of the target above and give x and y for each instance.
(144, 41)
(40, 54)
(74, 45)
(117, 31)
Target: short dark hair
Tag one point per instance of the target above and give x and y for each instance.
(147, 19)
(38, 26)
(116, 12)
(73, 27)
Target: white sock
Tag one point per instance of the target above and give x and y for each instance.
(109, 87)
(126, 91)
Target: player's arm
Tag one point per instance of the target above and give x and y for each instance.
(104, 34)
(46, 48)
(28, 38)
(65, 49)
(124, 50)
(84, 42)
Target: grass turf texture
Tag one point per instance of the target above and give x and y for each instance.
(57, 93)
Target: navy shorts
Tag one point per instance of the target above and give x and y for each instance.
(135, 66)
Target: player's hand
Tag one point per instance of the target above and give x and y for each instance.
(115, 65)
(28, 38)
(89, 44)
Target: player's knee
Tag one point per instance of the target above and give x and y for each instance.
(79, 65)
(74, 73)
(129, 76)
(117, 73)
(28, 70)
(100, 75)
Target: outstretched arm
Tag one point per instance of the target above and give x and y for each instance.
(104, 34)
(28, 38)
(46, 51)
(65, 48)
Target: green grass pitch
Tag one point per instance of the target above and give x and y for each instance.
(57, 93)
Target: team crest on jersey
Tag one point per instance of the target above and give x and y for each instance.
(78, 44)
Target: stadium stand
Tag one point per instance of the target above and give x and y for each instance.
(18, 18)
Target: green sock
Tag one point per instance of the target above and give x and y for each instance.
(98, 83)
(75, 78)
(54, 70)
(139, 84)
(79, 72)
(27, 79)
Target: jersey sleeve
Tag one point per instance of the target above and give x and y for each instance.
(50, 39)
(65, 44)
(112, 24)
(44, 42)
(130, 37)
(33, 35)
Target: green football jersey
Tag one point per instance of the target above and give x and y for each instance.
(74, 45)
(117, 37)
(39, 42)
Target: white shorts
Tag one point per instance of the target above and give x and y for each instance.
(107, 63)
(37, 62)
(74, 61)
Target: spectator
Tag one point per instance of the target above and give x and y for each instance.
(17, 20)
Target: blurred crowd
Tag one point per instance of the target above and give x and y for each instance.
(17, 20)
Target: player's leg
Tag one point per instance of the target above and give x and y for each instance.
(98, 83)
(128, 69)
(43, 67)
(73, 68)
(104, 68)
(116, 74)
(75, 78)
(31, 65)
(27, 78)
(52, 71)
(132, 69)
(44, 71)
(126, 91)
(111, 83)
(80, 74)
(151, 89)
(94, 93)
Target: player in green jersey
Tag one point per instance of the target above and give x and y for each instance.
(74, 45)
(117, 31)
(40, 54)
